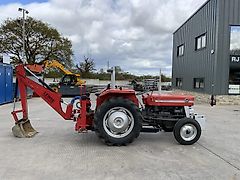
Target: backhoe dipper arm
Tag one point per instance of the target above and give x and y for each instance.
(44, 91)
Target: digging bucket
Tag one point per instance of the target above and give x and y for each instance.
(23, 129)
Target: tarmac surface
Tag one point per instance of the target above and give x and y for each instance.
(58, 152)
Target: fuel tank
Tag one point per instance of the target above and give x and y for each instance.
(168, 100)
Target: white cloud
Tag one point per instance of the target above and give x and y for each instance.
(133, 34)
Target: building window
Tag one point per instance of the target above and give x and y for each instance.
(180, 50)
(198, 83)
(200, 42)
(178, 82)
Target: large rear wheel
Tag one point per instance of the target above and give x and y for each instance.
(118, 121)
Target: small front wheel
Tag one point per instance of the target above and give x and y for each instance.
(187, 131)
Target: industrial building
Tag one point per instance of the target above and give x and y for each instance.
(206, 50)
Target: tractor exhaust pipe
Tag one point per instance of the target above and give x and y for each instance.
(23, 129)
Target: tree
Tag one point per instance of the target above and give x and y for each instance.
(41, 42)
(101, 71)
(86, 67)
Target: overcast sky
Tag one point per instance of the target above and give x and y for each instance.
(133, 34)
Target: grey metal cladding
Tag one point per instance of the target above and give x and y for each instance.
(228, 14)
(196, 63)
(213, 18)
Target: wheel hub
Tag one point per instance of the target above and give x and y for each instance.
(118, 122)
(188, 132)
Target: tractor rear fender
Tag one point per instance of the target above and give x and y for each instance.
(110, 93)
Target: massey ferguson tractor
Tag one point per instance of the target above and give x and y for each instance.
(119, 116)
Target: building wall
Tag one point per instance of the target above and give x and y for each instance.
(196, 63)
(212, 63)
(228, 14)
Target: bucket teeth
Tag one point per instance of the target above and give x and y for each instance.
(23, 129)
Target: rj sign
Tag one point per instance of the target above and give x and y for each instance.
(235, 59)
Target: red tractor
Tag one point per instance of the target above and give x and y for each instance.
(117, 119)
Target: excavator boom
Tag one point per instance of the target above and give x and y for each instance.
(55, 64)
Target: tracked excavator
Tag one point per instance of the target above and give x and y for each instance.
(69, 83)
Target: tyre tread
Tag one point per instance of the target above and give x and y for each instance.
(98, 122)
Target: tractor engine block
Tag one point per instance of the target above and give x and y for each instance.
(163, 115)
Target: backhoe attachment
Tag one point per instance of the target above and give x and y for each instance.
(23, 127)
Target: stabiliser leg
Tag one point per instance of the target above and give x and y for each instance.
(81, 125)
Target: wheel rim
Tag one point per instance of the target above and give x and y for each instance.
(188, 132)
(118, 122)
